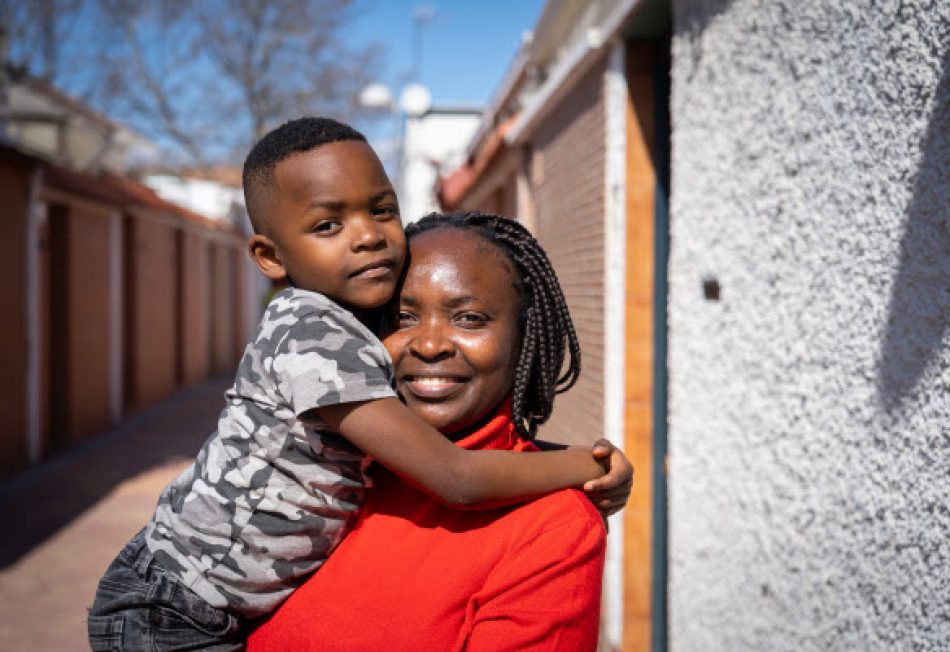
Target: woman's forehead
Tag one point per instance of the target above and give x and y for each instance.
(448, 244)
(462, 256)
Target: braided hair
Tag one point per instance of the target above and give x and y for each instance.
(544, 320)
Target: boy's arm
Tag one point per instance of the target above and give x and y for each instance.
(609, 492)
(389, 432)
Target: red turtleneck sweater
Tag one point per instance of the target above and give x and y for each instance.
(416, 575)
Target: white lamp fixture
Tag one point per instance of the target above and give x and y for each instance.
(377, 96)
(415, 100)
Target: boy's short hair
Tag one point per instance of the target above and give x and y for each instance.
(301, 135)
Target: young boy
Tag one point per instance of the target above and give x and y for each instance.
(274, 489)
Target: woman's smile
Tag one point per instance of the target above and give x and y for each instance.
(431, 387)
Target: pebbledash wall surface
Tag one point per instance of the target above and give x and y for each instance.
(809, 425)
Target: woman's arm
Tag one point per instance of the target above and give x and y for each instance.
(389, 432)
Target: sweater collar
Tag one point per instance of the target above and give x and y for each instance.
(498, 433)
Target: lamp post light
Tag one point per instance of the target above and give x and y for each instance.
(376, 96)
(415, 100)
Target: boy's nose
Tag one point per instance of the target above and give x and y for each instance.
(367, 235)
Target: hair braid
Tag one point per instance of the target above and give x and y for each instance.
(547, 329)
(522, 380)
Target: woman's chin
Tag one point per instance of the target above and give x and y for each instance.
(442, 417)
(462, 406)
(442, 421)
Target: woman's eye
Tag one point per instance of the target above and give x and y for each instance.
(404, 318)
(471, 320)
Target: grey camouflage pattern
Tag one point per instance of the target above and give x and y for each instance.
(274, 489)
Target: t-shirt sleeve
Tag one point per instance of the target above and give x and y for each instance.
(326, 358)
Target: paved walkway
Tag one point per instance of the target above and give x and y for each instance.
(63, 522)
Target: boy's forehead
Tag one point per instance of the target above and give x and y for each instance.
(332, 171)
(329, 158)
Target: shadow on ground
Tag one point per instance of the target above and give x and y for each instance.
(38, 503)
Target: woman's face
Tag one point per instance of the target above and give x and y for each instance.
(455, 340)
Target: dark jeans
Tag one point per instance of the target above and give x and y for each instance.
(139, 606)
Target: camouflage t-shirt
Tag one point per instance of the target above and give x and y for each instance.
(273, 491)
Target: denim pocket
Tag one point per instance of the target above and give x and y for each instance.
(176, 608)
(171, 624)
(105, 633)
(139, 606)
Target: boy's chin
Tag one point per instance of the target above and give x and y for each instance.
(366, 304)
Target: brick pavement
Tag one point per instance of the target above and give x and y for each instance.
(63, 522)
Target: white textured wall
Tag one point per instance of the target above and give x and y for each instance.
(810, 407)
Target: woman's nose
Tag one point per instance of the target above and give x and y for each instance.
(430, 343)
(367, 234)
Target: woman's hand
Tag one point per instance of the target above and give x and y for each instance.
(610, 492)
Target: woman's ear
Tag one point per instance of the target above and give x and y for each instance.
(264, 254)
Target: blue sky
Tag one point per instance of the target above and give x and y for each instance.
(466, 48)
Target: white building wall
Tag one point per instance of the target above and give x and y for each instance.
(809, 407)
(209, 198)
(434, 142)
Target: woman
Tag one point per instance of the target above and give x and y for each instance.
(478, 345)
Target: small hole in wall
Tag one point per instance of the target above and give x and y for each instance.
(711, 289)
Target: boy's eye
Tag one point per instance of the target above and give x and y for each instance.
(326, 226)
(387, 210)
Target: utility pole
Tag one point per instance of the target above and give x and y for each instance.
(422, 15)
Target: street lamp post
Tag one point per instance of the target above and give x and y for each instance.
(414, 102)
(414, 99)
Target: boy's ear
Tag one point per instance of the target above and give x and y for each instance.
(264, 254)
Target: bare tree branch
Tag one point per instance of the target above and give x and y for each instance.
(161, 102)
(204, 79)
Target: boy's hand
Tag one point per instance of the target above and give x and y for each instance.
(610, 492)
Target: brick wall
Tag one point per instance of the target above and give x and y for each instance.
(496, 190)
(567, 175)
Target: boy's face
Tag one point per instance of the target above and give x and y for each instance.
(333, 226)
